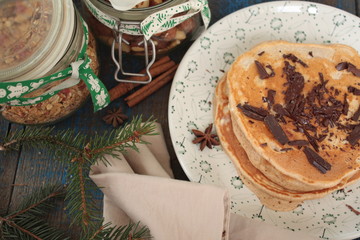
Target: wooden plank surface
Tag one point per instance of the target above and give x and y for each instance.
(22, 172)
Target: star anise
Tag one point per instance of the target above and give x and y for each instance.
(115, 117)
(205, 138)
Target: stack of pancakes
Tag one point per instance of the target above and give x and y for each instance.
(288, 116)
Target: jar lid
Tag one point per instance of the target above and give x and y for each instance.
(30, 31)
(135, 14)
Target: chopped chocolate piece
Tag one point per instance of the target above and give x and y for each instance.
(316, 160)
(262, 71)
(337, 92)
(281, 110)
(296, 84)
(270, 99)
(261, 53)
(276, 129)
(312, 141)
(298, 143)
(294, 59)
(263, 144)
(354, 90)
(354, 136)
(261, 111)
(253, 112)
(354, 70)
(271, 96)
(321, 137)
(341, 66)
(345, 109)
(356, 115)
(311, 54)
(349, 67)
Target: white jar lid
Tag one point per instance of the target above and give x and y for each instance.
(34, 35)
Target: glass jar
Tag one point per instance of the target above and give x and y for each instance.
(41, 38)
(133, 44)
(123, 31)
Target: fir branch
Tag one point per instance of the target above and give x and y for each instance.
(106, 232)
(53, 194)
(122, 139)
(29, 222)
(80, 152)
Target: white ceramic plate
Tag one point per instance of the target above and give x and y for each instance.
(192, 92)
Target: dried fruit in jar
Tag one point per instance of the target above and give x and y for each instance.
(164, 41)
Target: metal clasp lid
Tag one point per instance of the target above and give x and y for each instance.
(118, 39)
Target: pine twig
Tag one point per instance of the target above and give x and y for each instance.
(52, 195)
(29, 222)
(80, 152)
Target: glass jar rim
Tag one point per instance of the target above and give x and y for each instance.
(37, 64)
(135, 14)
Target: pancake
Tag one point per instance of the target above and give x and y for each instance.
(285, 68)
(269, 193)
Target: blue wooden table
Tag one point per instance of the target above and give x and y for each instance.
(22, 172)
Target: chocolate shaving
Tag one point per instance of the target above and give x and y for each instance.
(253, 112)
(354, 70)
(312, 141)
(294, 59)
(316, 160)
(286, 149)
(311, 54)
(345, 106)
(299, 143)
(262, 70)
(354, 90)
(261, 53)
(296, 84)
(270, 99)
(276, 129)
(342, 66)
(354, 136)
(356, 115)
(349, 67)
(279, 109)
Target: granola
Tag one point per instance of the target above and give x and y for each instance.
(60, 105)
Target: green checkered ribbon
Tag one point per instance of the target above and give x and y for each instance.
(11, 93)
(158, 22)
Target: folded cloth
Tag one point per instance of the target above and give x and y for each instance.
(138, 187)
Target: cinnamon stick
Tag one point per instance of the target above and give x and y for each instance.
(122, 88)
(152, 87)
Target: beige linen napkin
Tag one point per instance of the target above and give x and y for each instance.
(138, 187)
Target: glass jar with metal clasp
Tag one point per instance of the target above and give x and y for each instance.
(177, 21)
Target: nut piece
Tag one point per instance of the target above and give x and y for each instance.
(155, 2)
(180, 35)
(143, 4)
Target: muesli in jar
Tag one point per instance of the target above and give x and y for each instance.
(57, 107)
(41, 44)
